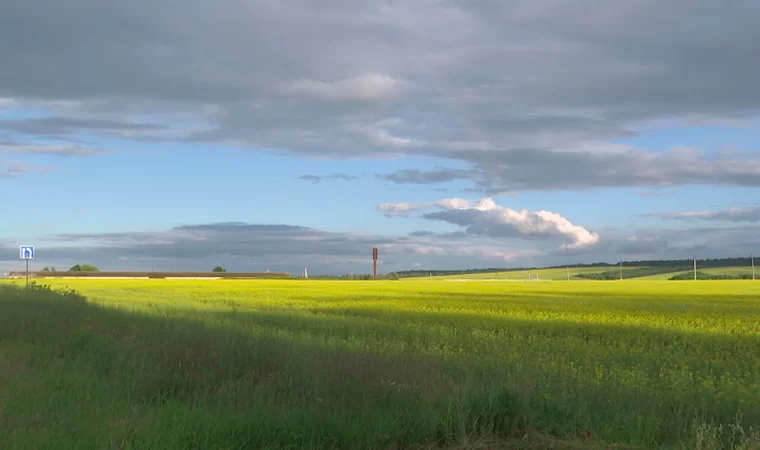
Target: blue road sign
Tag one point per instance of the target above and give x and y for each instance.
(26, 252)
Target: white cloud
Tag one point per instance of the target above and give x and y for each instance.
(485, 218)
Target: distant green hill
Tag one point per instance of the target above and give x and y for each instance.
(439, 273)
(555, 273)
(723, 268)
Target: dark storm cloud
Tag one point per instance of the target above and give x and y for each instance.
(473, 81)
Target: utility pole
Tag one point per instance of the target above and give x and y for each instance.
(374, 263)
(568, 273)
(695, 267)
(621, 270)
(752, 259)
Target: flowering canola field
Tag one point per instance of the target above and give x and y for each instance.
(387, 364)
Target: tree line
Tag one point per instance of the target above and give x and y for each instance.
(74, 268)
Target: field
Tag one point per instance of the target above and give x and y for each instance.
(543, 274)
(629, 272)
(184, 364)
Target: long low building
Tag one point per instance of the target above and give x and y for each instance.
(147, 275)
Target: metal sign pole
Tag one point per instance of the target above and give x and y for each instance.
(26, 252)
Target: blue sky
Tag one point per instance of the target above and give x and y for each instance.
(320, 133)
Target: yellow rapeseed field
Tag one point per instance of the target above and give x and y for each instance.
(362, 364)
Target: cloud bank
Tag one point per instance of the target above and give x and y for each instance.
(469, 82)
(258, 247)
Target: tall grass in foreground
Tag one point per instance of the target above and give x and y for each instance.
(289, 364)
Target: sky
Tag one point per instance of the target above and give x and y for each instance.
(449, 134)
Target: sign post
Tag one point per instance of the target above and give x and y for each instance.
(26, 252)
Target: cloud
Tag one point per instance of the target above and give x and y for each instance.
(10, 169)
(364, 87)
(642, 245)
(316, 179)
(470, 82)
(654, 193)
(258, 247)
(446, 235)
(536, 169)
(486, 218)
(683, 243)
(400, 209)
(64, 150)
(244, 246)
(56, 125)
(414, 176)
(751, 214)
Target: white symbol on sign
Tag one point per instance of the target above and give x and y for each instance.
(26, 252)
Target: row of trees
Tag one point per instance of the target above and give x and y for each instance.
(711, 276)
(75, 268)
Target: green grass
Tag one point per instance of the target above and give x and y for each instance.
(352, 365)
